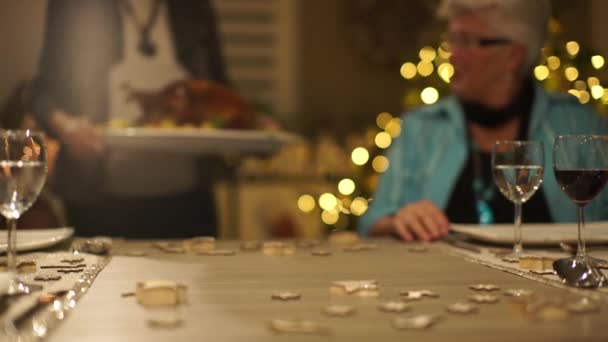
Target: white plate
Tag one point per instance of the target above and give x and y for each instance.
(30, 239)
(536, 234)
(197, 141)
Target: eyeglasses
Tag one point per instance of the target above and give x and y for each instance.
(473, 42)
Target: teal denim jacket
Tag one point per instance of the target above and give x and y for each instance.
(426, 159)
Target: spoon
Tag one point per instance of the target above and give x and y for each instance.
(579, 273)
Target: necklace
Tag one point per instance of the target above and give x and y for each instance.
(146, 46)
(483, 192)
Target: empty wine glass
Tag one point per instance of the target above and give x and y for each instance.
(518, 168)
(23, 167)
(580, 164)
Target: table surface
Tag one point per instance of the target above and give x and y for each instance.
(229, 298)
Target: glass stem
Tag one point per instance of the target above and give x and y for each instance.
(581, 252)
(517, 245)
(11, 252)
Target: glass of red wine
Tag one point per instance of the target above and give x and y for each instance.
(580, 164)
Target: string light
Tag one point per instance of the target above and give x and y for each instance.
(541, 72)
(383, 140)
(346, 186)
(593, 81)
(597, 61)
(383, 119)
(584, 97)
(425, 68)
(573, 48)
(359, 206)
(360, 156)
(393, 127)
(408, 70)
(445, 71)
(429, 95)
(571, 73)
(597, 92)
(328, 201)
(306, 203)
(380, 164)
(427, 54)
(330, 217)
(553, 62)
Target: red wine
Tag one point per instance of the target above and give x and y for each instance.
(582, 185)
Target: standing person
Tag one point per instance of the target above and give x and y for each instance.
(92, 49)
(445, 149)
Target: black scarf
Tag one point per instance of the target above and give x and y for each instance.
(488, 117)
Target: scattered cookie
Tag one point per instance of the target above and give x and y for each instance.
(47, 277)
(343, 238)
(462, 308)
(276, 248)
(73, 260)
(396, 307)
(321, 252)
(538, 263)
(339, 310)
(286, 295)
(360, 247)
(165, 323)
(547, 310)
(417, 295)
(297, 327)
(160, 293)
(307, 243)
(251, 246)
(544, 272)
(421, 248)
(70, 270)
(484, 299)
(136, 253)
(518, 293)
(64, 267)
(127, 294)
(23, 267)
(199, 244)
(484, 287)
(417, 322)
(219, 252)
(170, 248)
(583, 305)
(360, 288)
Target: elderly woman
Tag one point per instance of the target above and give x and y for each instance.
(441, 165)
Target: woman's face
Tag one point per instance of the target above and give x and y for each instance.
(482, 59)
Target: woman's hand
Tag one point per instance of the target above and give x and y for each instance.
(421, 220)
(78, 136)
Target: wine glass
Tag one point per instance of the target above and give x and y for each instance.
(518, 168)
(23, 168)
(580, 164)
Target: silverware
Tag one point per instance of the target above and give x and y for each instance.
(454, 241)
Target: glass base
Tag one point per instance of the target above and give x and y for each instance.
(16, 287)
(579, 272)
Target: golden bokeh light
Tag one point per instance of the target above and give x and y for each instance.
(393, 127)
(605, 98)
(573, 48)
(597, 61)
(584, 97)
(574, 93)
(360, 156)
(383, 140)
(427, 54)
(359, 206)
(425, 68)
(380, 164)
(593, 81)
(306, 203)
(445, 71)
(330, 217)
(383, 119)
(444, 54)
(597, 92)
(346, 186)
(571, 73)
(553, 62)
(580, 85)
(541, 72)
(408, 70)
(429, 95)
(328, 201)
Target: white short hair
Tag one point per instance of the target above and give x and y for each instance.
(523, 21)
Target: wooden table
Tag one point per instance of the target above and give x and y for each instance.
(230, 298)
